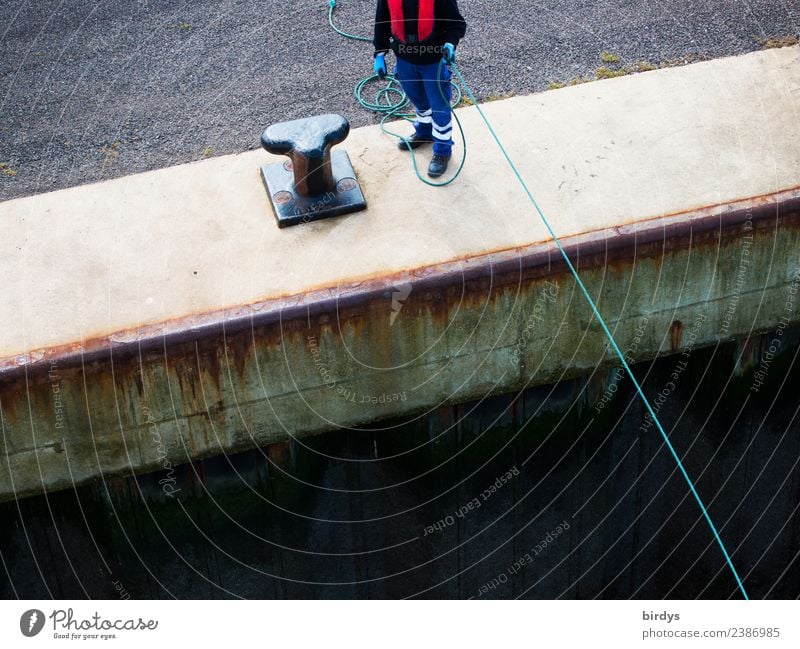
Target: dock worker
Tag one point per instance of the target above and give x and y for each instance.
(421, 33)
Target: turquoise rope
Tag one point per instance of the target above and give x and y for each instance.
(352, 37)
(606, 330)
(388, 108)
(391, 102)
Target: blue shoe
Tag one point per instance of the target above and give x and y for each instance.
(438, 165)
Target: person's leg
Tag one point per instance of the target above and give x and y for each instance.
(413, 85)
(439, 89)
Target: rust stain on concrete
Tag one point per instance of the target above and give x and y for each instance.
(651, 237)
(675, 335)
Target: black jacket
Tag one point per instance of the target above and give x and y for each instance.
(449, 27)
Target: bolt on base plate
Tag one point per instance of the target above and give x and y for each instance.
(291, 208)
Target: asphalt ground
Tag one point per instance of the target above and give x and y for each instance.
(91, 91)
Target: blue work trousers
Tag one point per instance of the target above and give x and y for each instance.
(431, 95)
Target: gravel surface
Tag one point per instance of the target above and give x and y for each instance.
(90, 91)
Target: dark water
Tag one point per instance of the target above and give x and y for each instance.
(540, 494)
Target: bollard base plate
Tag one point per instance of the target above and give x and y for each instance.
(293, 209)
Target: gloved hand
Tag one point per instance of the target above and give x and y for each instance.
(380, 65)
(449, 53)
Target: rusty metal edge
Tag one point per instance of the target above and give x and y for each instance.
(585, 250)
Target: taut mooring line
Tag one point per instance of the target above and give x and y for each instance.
(607, 331)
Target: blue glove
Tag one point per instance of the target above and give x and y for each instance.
(449, 53)
(380, 65)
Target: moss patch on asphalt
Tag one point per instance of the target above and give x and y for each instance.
(609, 57)
(778, 41)
(492, 96)
(604, 72)
(615, 67)
(110, 152)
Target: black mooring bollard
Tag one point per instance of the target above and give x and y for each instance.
(315, 183)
